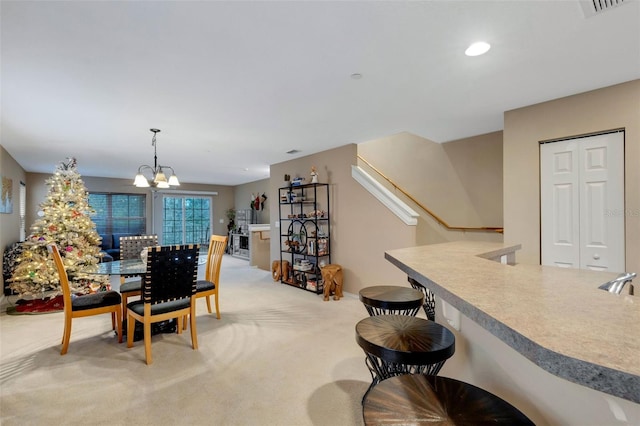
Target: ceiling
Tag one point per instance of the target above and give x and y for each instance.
(235, 85)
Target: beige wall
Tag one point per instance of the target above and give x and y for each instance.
(477, 162)
(243, 193)
(599, 110)
(460, 182)
(361, 228)
(10, 223)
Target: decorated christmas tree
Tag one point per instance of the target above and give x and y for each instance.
(65, 220)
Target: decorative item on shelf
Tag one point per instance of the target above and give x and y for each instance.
(159, 179)
(302, 265)
(293, 246)
(297, 181)
(311, 247)
(263, 199)
(314, 175)
(322, 246)
(287, 180)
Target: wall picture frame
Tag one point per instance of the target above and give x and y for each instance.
(6, 197)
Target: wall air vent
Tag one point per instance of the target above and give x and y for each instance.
(596, 7)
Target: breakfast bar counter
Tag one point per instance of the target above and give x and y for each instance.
(555, 317)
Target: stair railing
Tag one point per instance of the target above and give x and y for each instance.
(427, 210)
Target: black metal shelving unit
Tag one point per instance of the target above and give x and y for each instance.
(305, 234)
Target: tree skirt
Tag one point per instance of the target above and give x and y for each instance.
(37, 306)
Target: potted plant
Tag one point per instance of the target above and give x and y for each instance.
(231, 215)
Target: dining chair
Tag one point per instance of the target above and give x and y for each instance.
(168, 292)
(211, 283)
(130, 248)
(102, 302)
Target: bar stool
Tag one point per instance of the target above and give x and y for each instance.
(387, 299)
(422, 399)
(401, 344)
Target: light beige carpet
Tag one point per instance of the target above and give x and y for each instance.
(278, 356)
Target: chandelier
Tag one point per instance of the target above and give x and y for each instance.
(159, 179)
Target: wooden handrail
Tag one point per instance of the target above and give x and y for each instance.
(423, 207)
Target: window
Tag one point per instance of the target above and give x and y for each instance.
(119, 213)
(186, 220)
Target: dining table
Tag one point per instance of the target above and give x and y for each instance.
(132, 267)
(118, 267)
(124, 267)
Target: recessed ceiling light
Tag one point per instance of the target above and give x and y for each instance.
(356, 76)
(478, 48)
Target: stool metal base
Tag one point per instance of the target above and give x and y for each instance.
(429, 304)
(381, 370)
(372, 310)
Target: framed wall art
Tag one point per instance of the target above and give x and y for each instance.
(6, 199)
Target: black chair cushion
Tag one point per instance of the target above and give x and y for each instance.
(204, 285)
(159, 308)
(95, 300)
(130, 286)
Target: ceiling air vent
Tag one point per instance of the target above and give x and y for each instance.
(596, 7)
(293, 151)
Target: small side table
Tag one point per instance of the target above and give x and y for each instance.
(401, 344)
(419, 399)
(387, 299)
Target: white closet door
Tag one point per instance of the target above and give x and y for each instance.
(582, 199)
(560, 200)
(602, 203)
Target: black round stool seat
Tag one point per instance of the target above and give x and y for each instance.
(401, 344)
(388, 299)
(419, 399)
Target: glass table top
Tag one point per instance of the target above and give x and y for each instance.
(124, 267)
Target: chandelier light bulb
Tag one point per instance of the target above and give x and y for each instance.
(173, 181)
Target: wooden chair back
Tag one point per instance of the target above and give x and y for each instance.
(217, 247)
(62, 276)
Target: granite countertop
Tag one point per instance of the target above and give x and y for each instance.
(555, 317)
